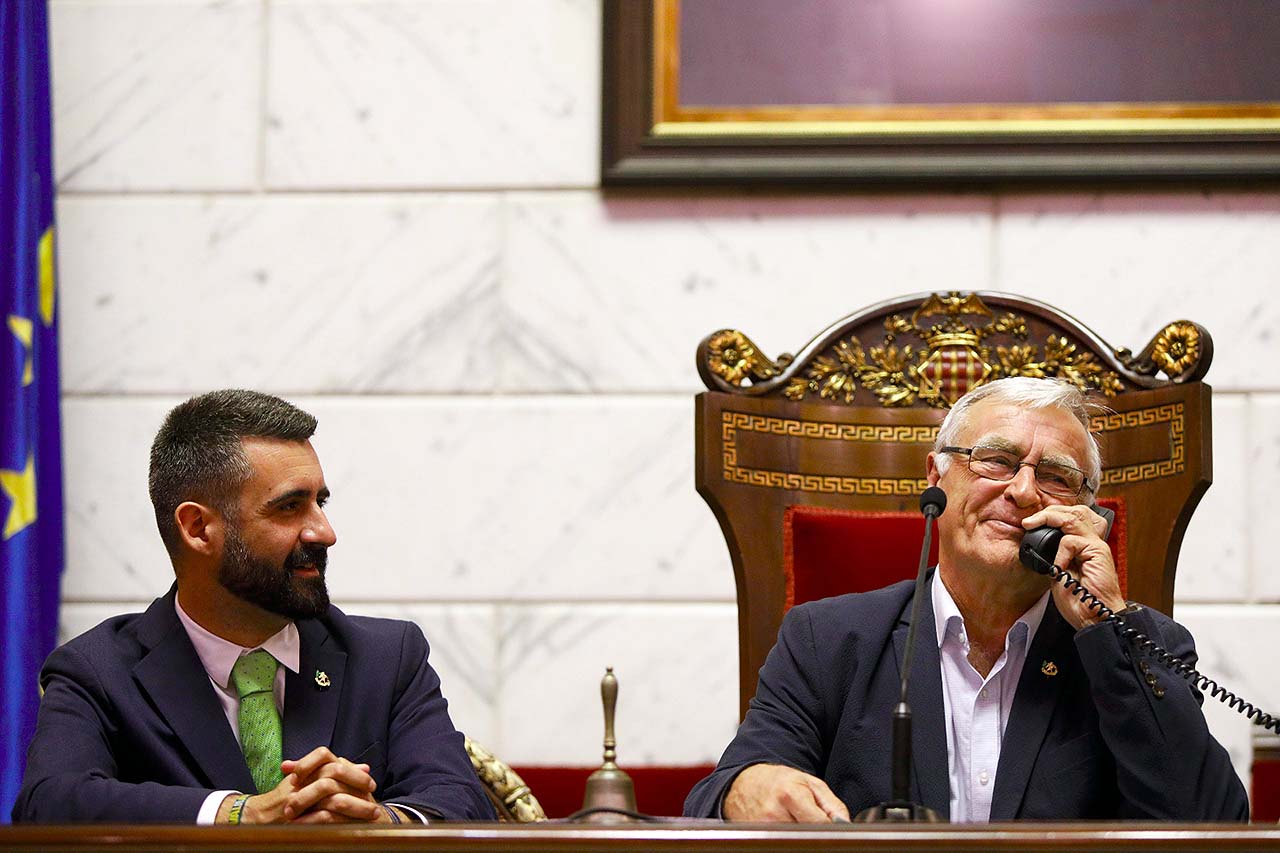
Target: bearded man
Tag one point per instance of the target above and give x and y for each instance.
(242, 696)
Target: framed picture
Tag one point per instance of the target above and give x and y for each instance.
(940, 91)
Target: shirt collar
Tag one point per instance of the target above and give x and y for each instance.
(218, 656)
(946, 615)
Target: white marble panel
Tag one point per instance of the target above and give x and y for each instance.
(1264, 473)
(156, 94)
(614, 292)
(433, 93)
(1127, 263)
(529, 498)
(114, 552)
(287, 293)
(677, 670)
(463, 638)
(74, 618)
(464, 652)
(452, 499)
(1213, 565)
(1232, 643)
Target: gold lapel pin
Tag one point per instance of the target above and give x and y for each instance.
(1049, 668)
(322, 679)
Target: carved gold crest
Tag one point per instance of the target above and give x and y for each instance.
(934, 351)
(955, 357)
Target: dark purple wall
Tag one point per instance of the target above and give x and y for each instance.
(757, 52)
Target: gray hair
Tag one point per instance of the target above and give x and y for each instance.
(197, 455)
(1029, 393)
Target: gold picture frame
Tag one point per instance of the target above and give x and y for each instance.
(649, 137)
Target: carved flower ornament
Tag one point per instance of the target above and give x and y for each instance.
(1176, 349)
(733, 357)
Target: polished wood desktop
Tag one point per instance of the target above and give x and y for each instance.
(669, 837)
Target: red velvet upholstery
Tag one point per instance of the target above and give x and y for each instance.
(830, 552)
(1118, 539)
(659, 790)
(1264, 799)
(834, 551)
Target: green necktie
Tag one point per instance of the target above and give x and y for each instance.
(254, 677)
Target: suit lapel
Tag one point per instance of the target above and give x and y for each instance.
(312, 696)
(171, 675)
(1033, 706)
(930, 777)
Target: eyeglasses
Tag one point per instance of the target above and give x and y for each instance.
(1052, 478)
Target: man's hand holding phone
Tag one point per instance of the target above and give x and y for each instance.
(1085, 554)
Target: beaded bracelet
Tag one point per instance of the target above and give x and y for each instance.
(237, 808)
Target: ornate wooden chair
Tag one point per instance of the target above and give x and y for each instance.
(813, 462)
(510, 796)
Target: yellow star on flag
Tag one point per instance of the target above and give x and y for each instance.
(44, 254)
(20, 487)
(21, 328)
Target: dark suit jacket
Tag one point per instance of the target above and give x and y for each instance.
(130, 729)
(1091, 740)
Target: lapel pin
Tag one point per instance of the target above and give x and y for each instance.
(1049, 668)
(322, 679)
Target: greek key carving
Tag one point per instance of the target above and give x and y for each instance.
(732, 422)
(1170, 413)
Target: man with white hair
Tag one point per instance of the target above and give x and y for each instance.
(1026, 704)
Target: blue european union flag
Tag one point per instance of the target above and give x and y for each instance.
(31, 548)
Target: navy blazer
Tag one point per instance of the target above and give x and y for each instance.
(130, 728)
(1087, 737)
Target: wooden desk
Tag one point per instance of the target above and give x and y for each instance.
(694, 837)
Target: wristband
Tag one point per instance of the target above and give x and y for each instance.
(391, 813)
(237, 809)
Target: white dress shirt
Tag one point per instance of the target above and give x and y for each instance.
(977, 709)
(218, 657)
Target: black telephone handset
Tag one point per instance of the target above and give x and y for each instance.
(1038, 551)
(1040, 546)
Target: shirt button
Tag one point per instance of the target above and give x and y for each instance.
(983, 693)
(983, 777)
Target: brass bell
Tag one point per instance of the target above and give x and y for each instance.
(609, 787)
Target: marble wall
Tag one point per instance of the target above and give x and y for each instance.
(389, 213)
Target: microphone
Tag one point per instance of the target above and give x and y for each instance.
(932, 502)
(900, 808)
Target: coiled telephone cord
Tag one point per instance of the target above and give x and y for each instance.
(1152, 649)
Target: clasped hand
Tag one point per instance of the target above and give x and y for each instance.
(320, 787)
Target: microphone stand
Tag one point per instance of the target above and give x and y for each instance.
(901, 809)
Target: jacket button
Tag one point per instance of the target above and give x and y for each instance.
(1158, 691)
